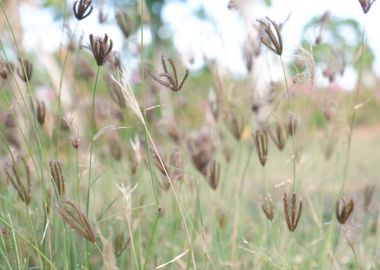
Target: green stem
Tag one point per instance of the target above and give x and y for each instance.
(59, 114)
(92, 133)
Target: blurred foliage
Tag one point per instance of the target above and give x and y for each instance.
(334, 36)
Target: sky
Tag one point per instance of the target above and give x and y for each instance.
(221, 37)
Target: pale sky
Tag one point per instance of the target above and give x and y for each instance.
(222, 37)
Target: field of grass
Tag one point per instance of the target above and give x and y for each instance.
(178, 170)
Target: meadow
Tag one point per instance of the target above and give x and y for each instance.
(131, 160)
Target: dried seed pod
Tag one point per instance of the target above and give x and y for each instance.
(20, 179)
(213, 174)
(41, 112)
(124, 22)
(368, 194)
(100, 48)
(268, 207)
(120, 244)
(273, 41)
(57, 175)
(293, 217)
(344, 210)
(366, 5)
(77, 220)
(82, 9)
(25, 70)
(280, 135)
(234, 125)
(261, 142)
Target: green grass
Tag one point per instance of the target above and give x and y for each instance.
(188, 225)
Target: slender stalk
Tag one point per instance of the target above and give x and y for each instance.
(175, 197)
(92, 133)
(59, 114)
(353, 115)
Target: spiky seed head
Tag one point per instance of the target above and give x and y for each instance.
(344, 209)
(366, 5)
(25, 70)
(279, 136)
(368, 194)
(268, 207)
(41, 112)
(100, 48)
(120, 243)
(292, 125)
(82, 9)
(293, 217)
(124, 22)
(261, 142)
(18, 174)
(58, 178)
(271, 40)
(77, 220)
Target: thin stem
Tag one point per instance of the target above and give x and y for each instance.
(175, 197)
(77, 175)
(92, 132)
(59, 114)
(353, 115)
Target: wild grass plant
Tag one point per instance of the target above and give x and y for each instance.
(161, 173)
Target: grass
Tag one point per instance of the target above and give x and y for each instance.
(158, 212)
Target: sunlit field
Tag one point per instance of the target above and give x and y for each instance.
(120, 151)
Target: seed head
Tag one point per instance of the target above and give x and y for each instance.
(293, 217)
(25, 70)
(261, 142)
(115, 92)
(202, 149)
(5, 69)
(234, 125)
(169, 80)
(366, 5)
(279, 136)
(82, 9)
(268, 207)
(57, 175)
(20, 179)
(368, 194)
(120, 244)
(124, 22)
(292, 125)
(213, 174)
(77, 220)
(273, 41)
(100, 48)
(41, 112)
(344, 210)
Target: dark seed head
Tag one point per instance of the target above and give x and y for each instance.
(100, 48)
(82, 9)
(344, 209)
